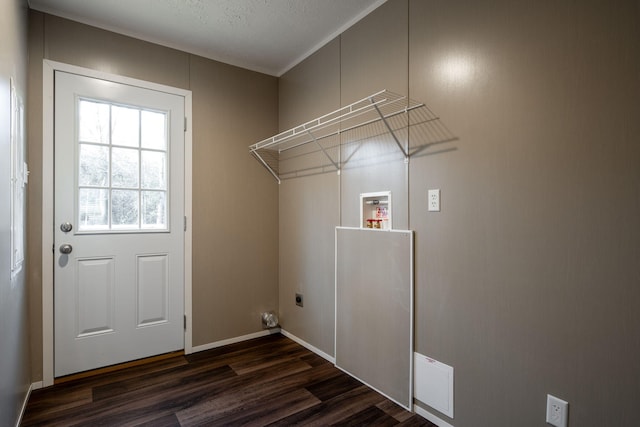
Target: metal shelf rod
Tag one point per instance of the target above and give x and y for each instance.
(275, 175)
(395, 138)
(324, 151)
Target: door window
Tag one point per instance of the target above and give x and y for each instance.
(122, 168)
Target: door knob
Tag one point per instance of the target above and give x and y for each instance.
(66, 227)
(66, 248)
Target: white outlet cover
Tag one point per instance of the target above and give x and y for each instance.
(557, 411)
(433, 200)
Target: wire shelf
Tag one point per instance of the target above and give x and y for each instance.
(381, 113)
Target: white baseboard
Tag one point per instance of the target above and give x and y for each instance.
(228, 341)
(430, 417)
(308, 346)
(33, 386)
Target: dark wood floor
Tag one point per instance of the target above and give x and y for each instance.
(266, 381)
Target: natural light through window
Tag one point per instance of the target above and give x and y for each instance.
(122, 167)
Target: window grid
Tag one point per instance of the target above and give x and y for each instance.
(160, 192)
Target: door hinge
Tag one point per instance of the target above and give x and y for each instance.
(185, 124)
(185, 322)
(185, 223)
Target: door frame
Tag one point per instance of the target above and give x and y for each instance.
(48, 161)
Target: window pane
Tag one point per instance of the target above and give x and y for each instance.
(124, 209)
(94, 166)
(154, 209)
(154, 170)
(124, 167)
(94, 122)
(125, 126)
(94, 208)
(154, 130)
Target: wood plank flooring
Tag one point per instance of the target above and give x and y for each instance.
(269, 381)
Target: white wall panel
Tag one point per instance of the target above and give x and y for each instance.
(374, 309)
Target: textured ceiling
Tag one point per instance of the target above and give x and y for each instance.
(269, 36)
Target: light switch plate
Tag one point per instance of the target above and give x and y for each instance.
(433, 200)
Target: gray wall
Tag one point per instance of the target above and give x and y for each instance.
(235, 224)
(527, 280)
(14, 321)
(309, 211)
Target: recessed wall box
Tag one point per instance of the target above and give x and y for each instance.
(375, 210)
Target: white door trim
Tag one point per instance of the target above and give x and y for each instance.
(49, 67)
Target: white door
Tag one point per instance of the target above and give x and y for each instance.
(119, 233)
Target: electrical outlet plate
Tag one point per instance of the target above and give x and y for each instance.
(433, 200)
(557, 411)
